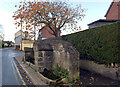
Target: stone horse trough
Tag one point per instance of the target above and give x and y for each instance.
(50, 52)
(55, 51)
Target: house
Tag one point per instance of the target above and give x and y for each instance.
(12, 43)
(27, 43)
(45, 32)
(113, 12)
(7, 44)
(101, 22)
(19, 36)
(112, 15)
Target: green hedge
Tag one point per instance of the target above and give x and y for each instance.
(101, 44)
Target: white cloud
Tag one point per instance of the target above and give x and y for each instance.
(9, 28)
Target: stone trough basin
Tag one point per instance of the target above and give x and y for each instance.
(48, 80)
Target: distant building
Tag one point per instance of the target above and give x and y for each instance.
(45, 32)
(19, 36)
(7, 44)
(113, 12)
(26, 43)
(101, 22)
(112, 15)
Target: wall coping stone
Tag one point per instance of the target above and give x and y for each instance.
(99, 68)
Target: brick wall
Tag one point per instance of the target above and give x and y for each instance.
(46, 34)
(113, 12)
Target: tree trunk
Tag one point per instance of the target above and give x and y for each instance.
(56, 34)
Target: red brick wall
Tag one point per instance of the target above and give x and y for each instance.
(46, 34)
(113, 12)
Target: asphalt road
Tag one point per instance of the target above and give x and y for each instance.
(0, 67)
(10, 75)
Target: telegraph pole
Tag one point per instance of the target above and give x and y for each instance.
(34, 32)
(21, 34)
(34, 28)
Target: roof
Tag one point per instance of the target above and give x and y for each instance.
(42, 28)
(103, 20)
(110, 7)
(46, 27)
(18, 33)
(8, 42)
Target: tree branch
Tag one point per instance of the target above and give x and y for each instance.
(43, 22)
(62, 25)
(51, 28)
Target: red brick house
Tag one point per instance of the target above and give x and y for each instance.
(46, 32)
(112, 15)
(113, 12)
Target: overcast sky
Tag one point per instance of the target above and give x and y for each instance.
(96, 10)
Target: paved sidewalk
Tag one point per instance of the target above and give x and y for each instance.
(33, 75)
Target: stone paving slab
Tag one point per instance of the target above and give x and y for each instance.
(30, 72)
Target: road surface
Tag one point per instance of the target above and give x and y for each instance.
(10, 75)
